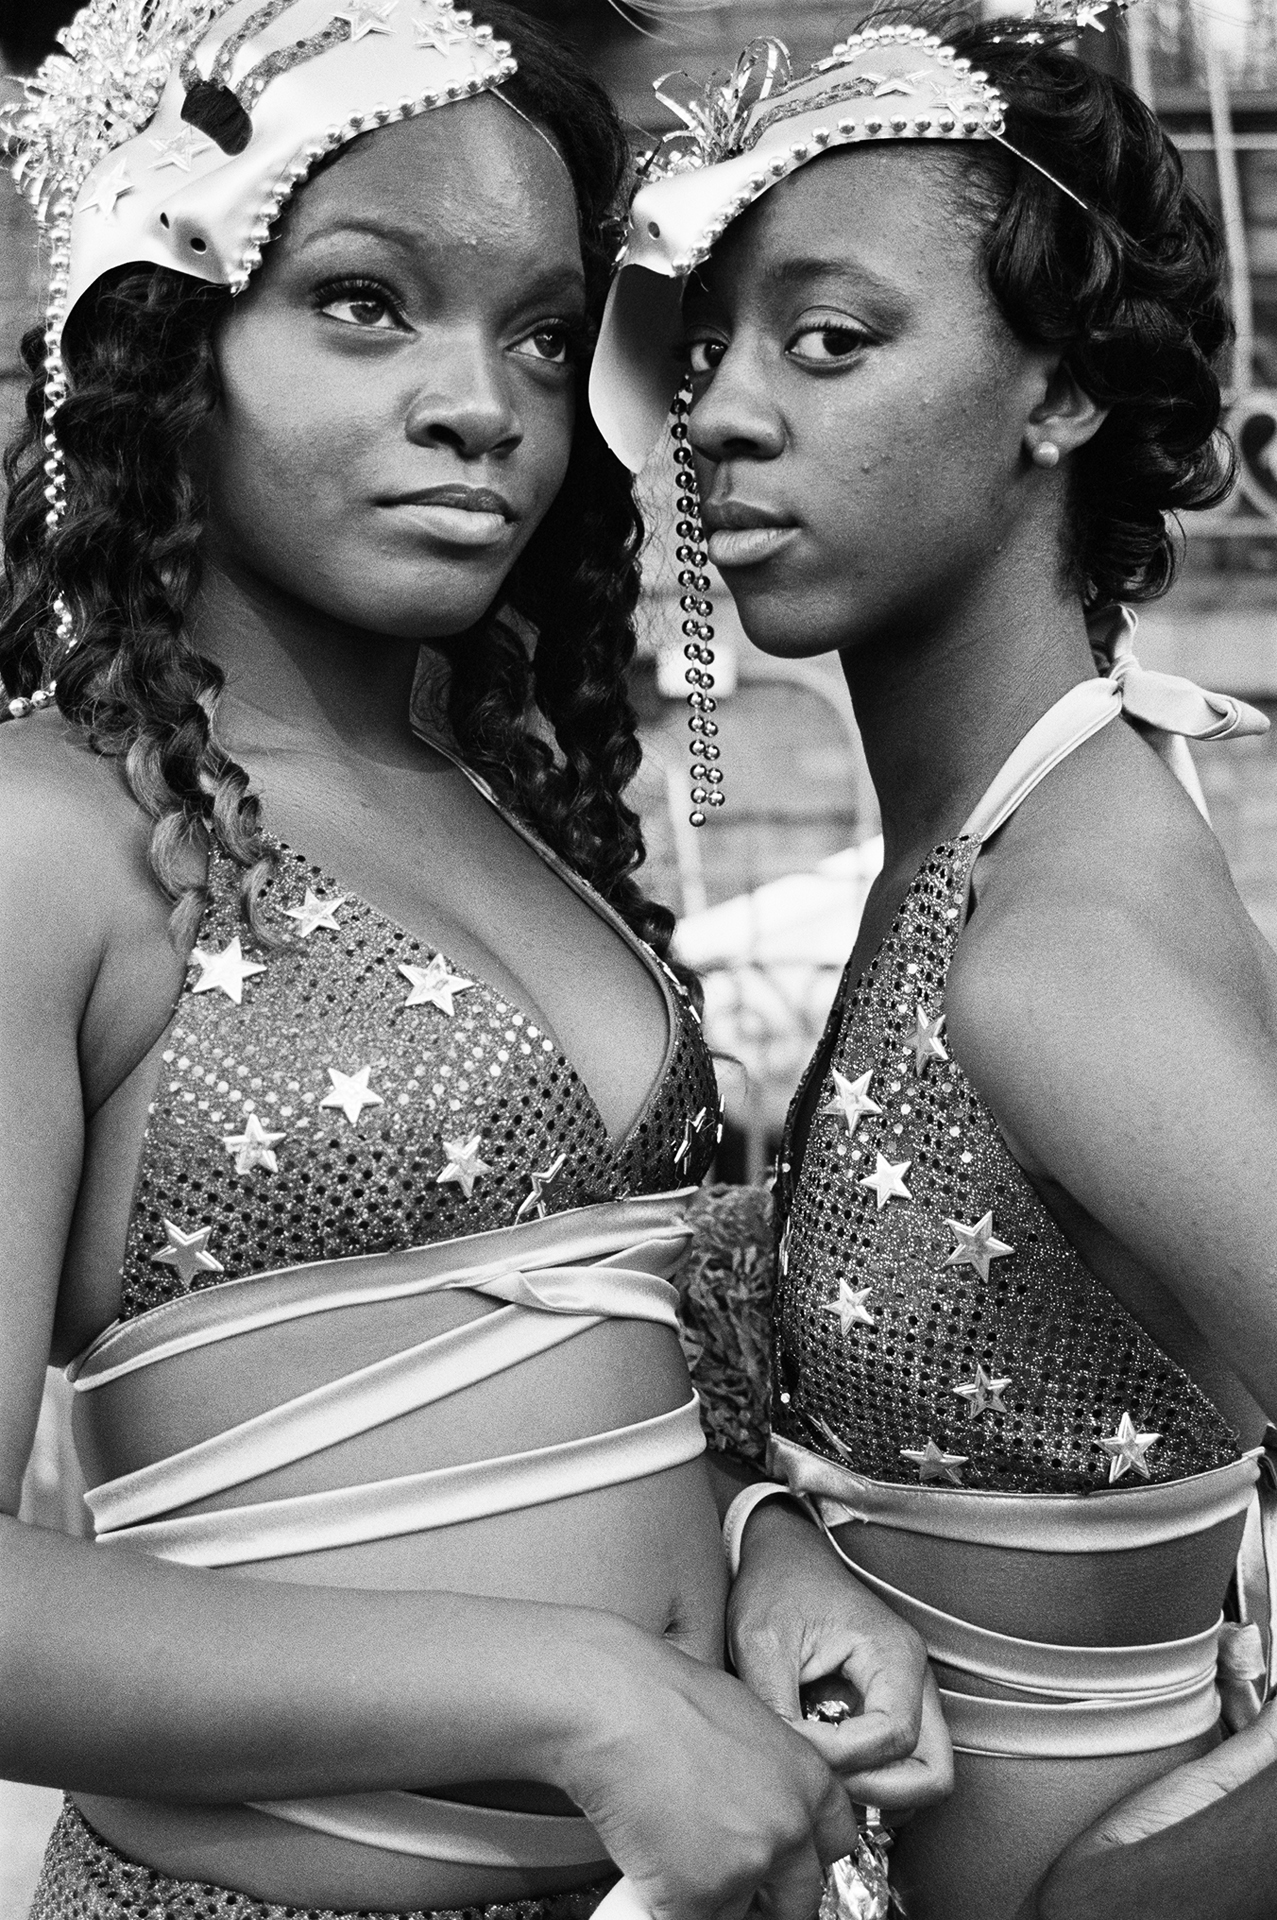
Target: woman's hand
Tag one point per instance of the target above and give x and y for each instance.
(795, 1616)
(1196, 1845)
(703, 1797)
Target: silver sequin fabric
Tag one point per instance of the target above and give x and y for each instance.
(84, 1878)
(865, 1395)
(336, 1000)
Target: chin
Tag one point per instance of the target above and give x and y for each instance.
(786, 628)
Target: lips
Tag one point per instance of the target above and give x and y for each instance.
(457, 516)
(741, 534)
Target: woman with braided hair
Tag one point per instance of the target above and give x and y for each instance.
(950, 317)
(350, 1111)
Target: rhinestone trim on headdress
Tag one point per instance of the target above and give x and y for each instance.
(124, 159)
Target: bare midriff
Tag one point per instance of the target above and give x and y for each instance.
(647, 1550)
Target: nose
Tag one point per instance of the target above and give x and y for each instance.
(735, 417)
(464, 402)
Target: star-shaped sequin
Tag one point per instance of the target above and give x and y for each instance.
(178, 150)
(1126, 1449)
(314, 913)
(225, 971)
(984, 1393)
(187, 1252)
(850, 1306)
(367, 16)
(351, 1093)
(444, 31)
(683, 1152)
(850, 1102)
(434, 985)
(977, 1245)
(253, 1147)
(464, 1164)
(886, 1182)
(1089, 16)
(782, 1250)
(933, 1463)
(926, 1043)
(112, 187)
(535, 1202)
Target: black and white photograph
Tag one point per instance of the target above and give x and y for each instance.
(638, 960)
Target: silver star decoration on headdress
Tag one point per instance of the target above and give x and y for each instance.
(434, 985)
(535, 1202)
(351, 1093)
(886, 1182)
(984, 1393)
(850, 1306)
(465, 1164)
(851, 1101)
(225, 971)
(782, 1250)
(1126, 1449)
(367, 16)
(977, 1245)
(179, 150)
(112, 187)
(187, 1252)
(934, 1464)
(926, 1042)
(314, 913)
(444, 31)
(253, 1147)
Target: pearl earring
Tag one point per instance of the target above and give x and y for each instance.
(1046, 454)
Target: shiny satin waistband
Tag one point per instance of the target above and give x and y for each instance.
(1098, 1522)
(558, 1277)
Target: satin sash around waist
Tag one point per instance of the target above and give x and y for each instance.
(559, 1276)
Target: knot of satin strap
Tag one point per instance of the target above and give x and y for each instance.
(1167, 700)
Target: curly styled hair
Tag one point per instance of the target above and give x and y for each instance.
(125, 558)
(1129, 287)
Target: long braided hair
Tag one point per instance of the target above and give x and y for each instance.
(550, 727)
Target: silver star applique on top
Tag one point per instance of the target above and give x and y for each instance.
(1126, 1449)
(977, 1245)
(934, 1464)
(984, 1393)
(112, 187)
(886, 1182)
(683, 1152)
(465, 1165)
(225, 971)
(850, 1306)
(254, 1147)
(851, 1101)
(187, 1253)
(926, 1043)
(434, 985)
(441, 33)
(351, 1093)
(367, 16)
(179, 150)
(314, 913)
(535, 1202)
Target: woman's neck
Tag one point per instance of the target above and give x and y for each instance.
(940, 711)
(297, 681)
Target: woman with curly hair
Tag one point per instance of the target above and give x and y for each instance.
(350, 1111)
(951, 317)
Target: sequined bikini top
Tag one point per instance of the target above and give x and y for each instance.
(932, 1323)
(358, 1093)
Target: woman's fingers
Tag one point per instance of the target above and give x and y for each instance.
(767, 1658)
(886, 1757)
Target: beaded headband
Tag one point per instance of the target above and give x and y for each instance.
(174, 132)
(739, 137)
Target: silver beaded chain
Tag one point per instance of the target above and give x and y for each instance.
(698, 634)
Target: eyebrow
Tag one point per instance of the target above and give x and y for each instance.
(779, 276)
(554, 280)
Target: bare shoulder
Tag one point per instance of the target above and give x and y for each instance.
(1106, 923)
(73, 837)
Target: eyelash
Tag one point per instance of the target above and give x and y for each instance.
(571, 332)
(848, 330)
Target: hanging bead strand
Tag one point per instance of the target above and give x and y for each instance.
(698, 633)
